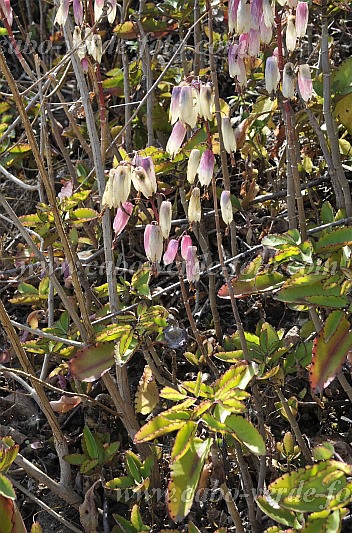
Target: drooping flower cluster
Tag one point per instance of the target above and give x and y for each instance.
(190, 102)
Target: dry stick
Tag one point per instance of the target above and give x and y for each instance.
(127, 95)
(341, 186)
(121, 373)
(223, 155)
(44, 506)
(64, 492)
(17, 181)
(59, 439)
(198, 48)
(192, 323)
(41, 258)
(232, 508)
(89, 334)
(295, 427)
(144, 55)
(247, 486)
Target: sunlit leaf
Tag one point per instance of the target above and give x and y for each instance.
(147, 395)
(6, 488)
(90, 363)
(330, 348)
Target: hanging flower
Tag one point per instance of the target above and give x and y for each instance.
(205, 96)
(7, 10)
(192, 265)
(256, 13)
(305, 82)
(291, 34)
(266, 32)
(165, 218)
(77, 42)
(302, 14)
(98, 9)
(193, 164)
(78, 12)
(96, 47)
(171, 252)
(206, 168)
(153, 243)
(148, 165)
(62, 12)
(288, 81)
(232, 14)
(244, 19)
(228, 135)
(112, 11)
(186, 241)
(188, 112)
(254, 43)
(176, 139)
(174, 113)
(272, 74)
(118, 186)
(226, 207)
(122, 217)
(194, 207)
(141, 182)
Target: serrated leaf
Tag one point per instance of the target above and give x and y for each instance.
(323, 451)
(90, 363)
(136, 519)
(334, 240)
(36, 528)
(172, 394)
(246, 433)
(133, 465)
(140, 281)
(88, 465)
(124, 525)
(310, 289)
(83, 215)
(11, 521)
(183, 440)
(147, 395)
(330, 348)
(185, 472)
(246, 287)
(75, 458)
(160, 425)
(272, 509)
(111, 333)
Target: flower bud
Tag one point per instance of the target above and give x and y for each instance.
(142, 182)
(291, 35)
(194, 207)
(78, 12)
(171, 252)
(288, 81)
(193, 164)
(85, 64)
(96, 47)
(205, 96)
(122, 217)
(226, 207)
(165, 218)
(244, 19)
(176, 139)
(206, 167)
(228, 135)
(98, 9)
(174, 113)
(192, 265)
(155, 247)
(302, 13)
(112, 11)
(62, 13)
(188, 112)
(272, 74)
(186, 241)
(305, 82)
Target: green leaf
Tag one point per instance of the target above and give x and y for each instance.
(6, 488)
(89, 465)
(310, 289)
(172, 394)
(125, 525)
(246, 433)
(136, 519)
(192, 528)
(11, 521)
(185, 473)
(90, 443)
(334, 240)
(255, 285)
(283, 516)
(183, 440)
(90, 363)
(330, 348)
(133, 465)
(160, 425)
(124, 482)
(83, 214)
(341, 78)
(327, 212)
(323, 451)
(343, 112)
(140, 281)
(75, 458)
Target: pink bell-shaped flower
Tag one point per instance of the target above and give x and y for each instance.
(112, 11)
(171, 252)
(232, 15)
(228, 135)
(188, 112)
(244, 18)
(174, 112)
(205, 95)
(147, 164)
(78, 12)
(302, 14)
(291, 34)
(288, 81)
(96, 47)
(226, 207)
(192, 265)
(122, 217)
(193, 164)
(186, 241)
(206, 167)
(62, 12)
(176, 139)
(98, 9)
(256, 13)
(305, 82)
